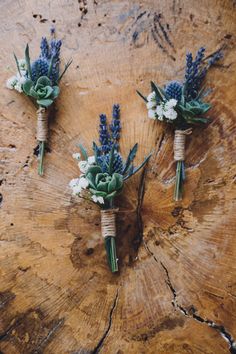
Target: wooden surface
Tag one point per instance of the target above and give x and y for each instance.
(176, 291)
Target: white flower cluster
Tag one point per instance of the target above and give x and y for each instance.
(161, 110)
(16, 81)
(80, 184)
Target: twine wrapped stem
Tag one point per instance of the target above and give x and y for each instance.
(179, 144)
(42, 124)
(42, 135)
(108, 226)
(179, 156)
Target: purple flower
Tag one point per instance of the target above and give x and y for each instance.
(195, 72)
(104, 136)
(115, 126)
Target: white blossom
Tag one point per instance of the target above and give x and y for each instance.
(83, 166)
(166, 110)
(21, 78)
(83, 182)
(76, 155)
(151, 104)
(96, 199)
(91, 160)
(171, 103)
(74, 182)
(171, 114)
(76, 189)
(11, 82)
(160, 111)
(18, 87)
(77, 184)
(151, 114)
(151, 96)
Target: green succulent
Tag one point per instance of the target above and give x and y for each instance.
(192, 111)
(102, 184)
(42, 91)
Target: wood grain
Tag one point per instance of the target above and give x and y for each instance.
(176, 289)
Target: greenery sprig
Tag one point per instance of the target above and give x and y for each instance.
(39, 80)
(182, 105)
(104, 173)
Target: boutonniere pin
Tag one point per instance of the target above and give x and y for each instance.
(40, 81)
(102, 178)
(182, 105)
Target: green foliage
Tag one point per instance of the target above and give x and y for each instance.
(83, 152)
(103, 184)
(129, 169)
(159, 92)
(141, 95)
(191, 111)
(17, 64)
(65, 69)
(27, 59)
(42, 92)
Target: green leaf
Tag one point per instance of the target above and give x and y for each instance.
(27, 59)
(98, 193)
(91, 180)
(139, 167)
(160, 94)
(112, 184)
(95, 150)
(119, 181)
(50, 66)
(33, 93)
(111, 160)
(44, 81)
(49, 91)
(56, 91)
(17, 64)
(199, 120)
(98, 177)
(65, 69)
(94, 170)
(27, 87)
(111, 195)
(144, 98)
(44, 102)
(83, 151)
(130, 158)
(102, 186)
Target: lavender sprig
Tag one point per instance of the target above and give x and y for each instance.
(104, 136)
(115, 126)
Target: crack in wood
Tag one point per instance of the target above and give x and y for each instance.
(58, 324)
(192, 313)
(103, 338)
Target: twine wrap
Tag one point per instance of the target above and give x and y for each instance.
(42, 124)
(179, 143)
(108, 222)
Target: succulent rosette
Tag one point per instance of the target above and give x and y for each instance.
(181, 104)
(39, 80)
(43, 91)
(103, 175)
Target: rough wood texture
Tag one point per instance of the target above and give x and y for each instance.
(57, 294)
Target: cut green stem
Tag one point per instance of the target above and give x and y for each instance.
(180, 177)
(110, 245)
(41, 156)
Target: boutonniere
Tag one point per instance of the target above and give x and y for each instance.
(182, 105)
(102, 178)
(40, 81)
